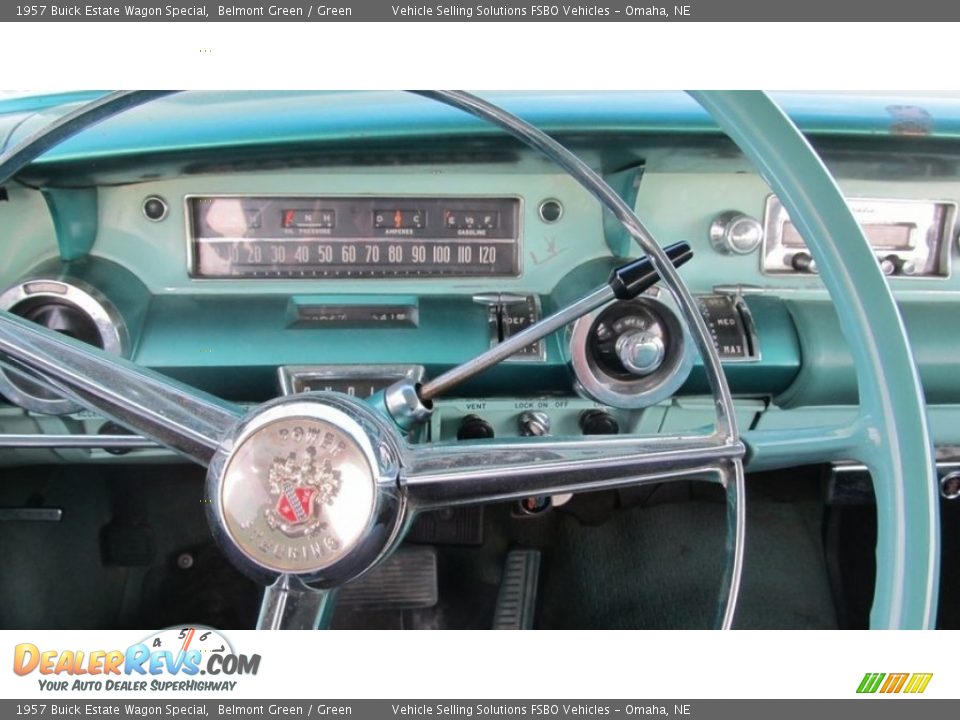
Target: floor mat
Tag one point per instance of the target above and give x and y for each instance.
(661, 567)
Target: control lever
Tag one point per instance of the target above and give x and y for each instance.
(408, 405)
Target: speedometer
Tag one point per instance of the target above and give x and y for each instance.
(353, 237)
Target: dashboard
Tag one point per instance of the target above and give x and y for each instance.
(251, 277)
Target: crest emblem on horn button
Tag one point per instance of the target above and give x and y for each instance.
(297, 494)
(302, 484)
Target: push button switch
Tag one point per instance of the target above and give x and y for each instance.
(598, 422)
(474, 427)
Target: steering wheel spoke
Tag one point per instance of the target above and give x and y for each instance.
(186, 420)
(288, 604)
(776, 449)
(446, 474)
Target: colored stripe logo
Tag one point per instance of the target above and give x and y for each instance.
(913, 683)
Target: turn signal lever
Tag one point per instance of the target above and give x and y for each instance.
(408, 405)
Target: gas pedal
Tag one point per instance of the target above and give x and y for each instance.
(407, 580)
(517, 599)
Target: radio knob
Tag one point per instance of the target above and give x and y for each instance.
(892, 265)
(803, 262)
(735, 233)
(641, 351)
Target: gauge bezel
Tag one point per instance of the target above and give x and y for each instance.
(114, 337)
(644, 391)
(516, 245)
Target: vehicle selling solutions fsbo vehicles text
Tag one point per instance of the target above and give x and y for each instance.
(537, 11)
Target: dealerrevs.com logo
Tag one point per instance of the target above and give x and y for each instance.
(169, 660)
(890, 683)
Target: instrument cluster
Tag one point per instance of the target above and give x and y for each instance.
(353, 237)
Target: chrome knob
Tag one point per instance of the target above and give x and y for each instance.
(892, 264)
(950, 486)
(802, 262)
(735, 233)
(641, 351)
(534, 424)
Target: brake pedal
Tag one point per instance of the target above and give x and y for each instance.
(407, 580)
(517, 599)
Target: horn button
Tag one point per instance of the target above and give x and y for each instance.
(305, 490)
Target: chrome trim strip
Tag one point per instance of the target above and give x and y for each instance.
(31, 514)
(91, 442)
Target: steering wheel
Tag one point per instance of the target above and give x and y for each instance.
(367, 480)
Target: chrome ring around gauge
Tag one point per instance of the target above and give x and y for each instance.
(104, 323)
(626, 389)
(307, 487)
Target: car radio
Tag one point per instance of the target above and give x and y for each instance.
(909, 237)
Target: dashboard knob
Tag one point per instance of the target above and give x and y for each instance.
(735, 233)
(534, 424)
(803, 262)
(641, 351)
(598, 422)
(892, 265)
(474, 427)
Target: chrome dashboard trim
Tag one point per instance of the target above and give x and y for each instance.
(288, 374)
